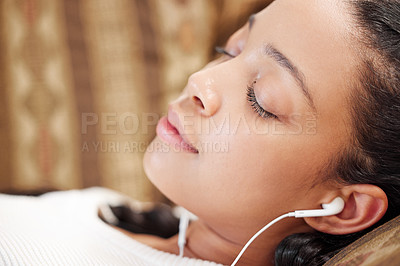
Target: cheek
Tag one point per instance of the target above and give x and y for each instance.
(254, 174)
(252, 177)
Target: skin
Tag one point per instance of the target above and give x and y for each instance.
(272, 166)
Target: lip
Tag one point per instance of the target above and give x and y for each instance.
(171, 135)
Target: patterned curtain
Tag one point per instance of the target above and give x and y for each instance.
(83, 83)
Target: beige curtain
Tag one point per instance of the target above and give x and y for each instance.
(82, 84)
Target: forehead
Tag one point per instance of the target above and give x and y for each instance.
(316, 36)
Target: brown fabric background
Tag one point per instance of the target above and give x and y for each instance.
(63, 62)
(381, 247)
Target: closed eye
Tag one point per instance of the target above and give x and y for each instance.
(251, 98)
(222, 50)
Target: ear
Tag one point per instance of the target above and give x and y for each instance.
(365, 205)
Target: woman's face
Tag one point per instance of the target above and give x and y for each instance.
(250, 136)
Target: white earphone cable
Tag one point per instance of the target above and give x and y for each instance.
(334, 207)
(183, 224)
(259, 233)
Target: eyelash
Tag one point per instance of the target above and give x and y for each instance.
(251, 97)
(222, 50)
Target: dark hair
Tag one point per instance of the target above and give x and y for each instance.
(374, 156)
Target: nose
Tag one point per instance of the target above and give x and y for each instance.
(203, 94)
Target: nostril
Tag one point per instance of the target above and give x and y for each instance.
(198, 102)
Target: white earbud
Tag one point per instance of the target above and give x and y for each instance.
(334, 207)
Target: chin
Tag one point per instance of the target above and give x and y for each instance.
(161, 160)
(160, 164)
(151, 160)
(173, 173)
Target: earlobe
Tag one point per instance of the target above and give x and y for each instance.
(365, 205)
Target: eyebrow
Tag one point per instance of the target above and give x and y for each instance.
(284, 62)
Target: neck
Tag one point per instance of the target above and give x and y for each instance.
(205, 243)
